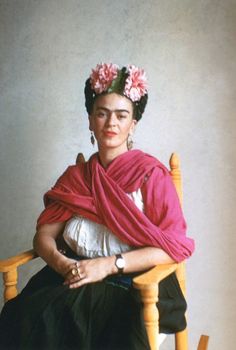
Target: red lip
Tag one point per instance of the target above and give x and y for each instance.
(110, 133)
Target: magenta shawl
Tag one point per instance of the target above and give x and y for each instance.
(100, 195)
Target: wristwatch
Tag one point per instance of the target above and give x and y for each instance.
(120, 263)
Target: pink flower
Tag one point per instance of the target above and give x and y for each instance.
(136, 83)
(102, 76)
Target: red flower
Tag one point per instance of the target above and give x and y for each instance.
(136, 83)
(102, 76)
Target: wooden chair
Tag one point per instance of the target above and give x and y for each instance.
(147, 282)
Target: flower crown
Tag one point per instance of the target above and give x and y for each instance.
(130, 82)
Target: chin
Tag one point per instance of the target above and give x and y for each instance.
(109, 144)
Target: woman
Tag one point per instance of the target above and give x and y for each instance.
(119, 215)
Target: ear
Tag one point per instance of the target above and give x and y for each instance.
(132, 126)
(90, 122)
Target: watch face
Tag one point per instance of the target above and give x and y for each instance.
(120, 263)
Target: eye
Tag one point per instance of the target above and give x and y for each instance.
(101, 114)
(122, 116)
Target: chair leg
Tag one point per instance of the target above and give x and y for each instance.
(10, 283)
(203, 342)
(149, 298)
(181, 340)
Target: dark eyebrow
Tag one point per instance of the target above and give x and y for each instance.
(115, 110)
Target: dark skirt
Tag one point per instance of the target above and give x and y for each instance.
(106, 315)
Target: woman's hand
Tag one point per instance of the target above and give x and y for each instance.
(89, 271)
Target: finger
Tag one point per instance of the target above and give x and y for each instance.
(79, 283)
(83, 281)
(70, 279)
(73, 270)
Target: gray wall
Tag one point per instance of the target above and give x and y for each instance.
(188, 48)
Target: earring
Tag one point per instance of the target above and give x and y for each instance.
(92, 139)
(129, 142)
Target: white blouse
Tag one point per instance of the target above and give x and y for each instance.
(87, 238)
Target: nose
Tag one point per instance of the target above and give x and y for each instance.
(112, 119)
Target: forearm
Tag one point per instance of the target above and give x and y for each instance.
(94, 270)
(143, 259)
(46, 247)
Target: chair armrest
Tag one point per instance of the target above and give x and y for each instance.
(152, 277)
(17, 260)
(8, 267)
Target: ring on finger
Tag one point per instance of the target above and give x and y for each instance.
(76, 271)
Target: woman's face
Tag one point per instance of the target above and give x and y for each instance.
(112, 121)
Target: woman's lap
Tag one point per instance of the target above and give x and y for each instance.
(106, 315)
(96, 316)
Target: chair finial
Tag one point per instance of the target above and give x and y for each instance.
(174, 161)
(80, 158)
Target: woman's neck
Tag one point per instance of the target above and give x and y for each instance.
(107, 156)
